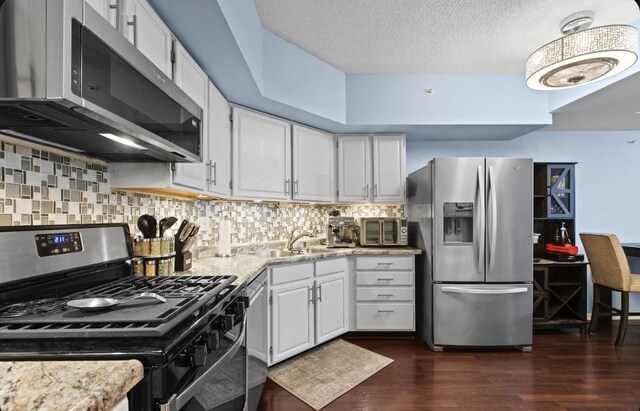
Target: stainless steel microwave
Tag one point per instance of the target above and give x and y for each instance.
(383, 232)
(69, 79)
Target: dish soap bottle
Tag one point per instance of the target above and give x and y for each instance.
(564, 234)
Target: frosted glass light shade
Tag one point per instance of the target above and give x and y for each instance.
(583, 57)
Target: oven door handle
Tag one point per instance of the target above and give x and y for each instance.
(177, 401)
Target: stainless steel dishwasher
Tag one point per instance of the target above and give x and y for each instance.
(258, 347)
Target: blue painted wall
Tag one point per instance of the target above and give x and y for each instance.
(297, 78)
(456, 99)
(607, 187)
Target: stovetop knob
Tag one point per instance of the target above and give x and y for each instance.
(198, 355)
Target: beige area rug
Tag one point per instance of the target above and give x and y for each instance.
(322, 374)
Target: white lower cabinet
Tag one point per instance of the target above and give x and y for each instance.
(331, 308)
(291, 320)
(385, 293)
(309, 305)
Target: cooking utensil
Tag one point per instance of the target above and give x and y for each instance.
(153, 227)
(166, 223)
(186, 232)
(188, 244)
(143, 225)
(181, 228)
(99, 304)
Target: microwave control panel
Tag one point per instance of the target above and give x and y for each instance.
(59, 243)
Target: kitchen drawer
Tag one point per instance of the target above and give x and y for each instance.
(336, 265)
(384, 316)
(384, 293)
(482, 314)
(293, 272)
(385, 263)
(384, 278)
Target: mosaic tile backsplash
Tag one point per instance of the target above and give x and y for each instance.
(42, 186)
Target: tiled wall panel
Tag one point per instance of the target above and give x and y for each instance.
(41, 187)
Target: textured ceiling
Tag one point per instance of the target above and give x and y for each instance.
(429, 36)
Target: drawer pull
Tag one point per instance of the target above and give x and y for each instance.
(385, 311)
(385, 263)
(385, 295)
(385, 279)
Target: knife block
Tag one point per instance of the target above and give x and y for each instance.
(183, 261)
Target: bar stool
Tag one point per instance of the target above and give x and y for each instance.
(610, 270)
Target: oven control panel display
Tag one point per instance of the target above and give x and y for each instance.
(60, 243)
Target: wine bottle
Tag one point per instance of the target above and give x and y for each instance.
(557, 239)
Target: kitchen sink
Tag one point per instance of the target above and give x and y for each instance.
(274, 253)
(277, 253)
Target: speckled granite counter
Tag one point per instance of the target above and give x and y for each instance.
(247, 266)
(66, 385)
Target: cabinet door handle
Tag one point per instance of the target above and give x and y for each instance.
(385, 311)
(310, 294)
(366, 191)
(134, 24)
(287, 182)
(208, 172)
(319, 292)
(295, 185)
(215, 173)
(375, 190)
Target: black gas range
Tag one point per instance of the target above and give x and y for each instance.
(192, 345)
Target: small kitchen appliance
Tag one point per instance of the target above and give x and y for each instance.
(383, 232)
(341, 232)
(191, 340)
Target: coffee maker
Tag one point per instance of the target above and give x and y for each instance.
(341, 232)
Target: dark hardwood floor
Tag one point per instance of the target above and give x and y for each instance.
(565, 371)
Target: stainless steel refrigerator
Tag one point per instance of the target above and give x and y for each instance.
(473, 219)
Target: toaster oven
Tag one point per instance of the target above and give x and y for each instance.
(383, 232)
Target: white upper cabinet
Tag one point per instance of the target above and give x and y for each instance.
(261, 156)
(313, 165)
(107, 8)
(148, 33)
(193, 81)
(354, 168)
(389, 168)
(371, 168)
(219, 148)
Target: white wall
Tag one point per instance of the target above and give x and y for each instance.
(607, 173)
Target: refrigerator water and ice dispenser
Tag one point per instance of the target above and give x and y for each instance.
(458, 223)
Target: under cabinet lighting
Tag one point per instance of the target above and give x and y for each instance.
(123, 141)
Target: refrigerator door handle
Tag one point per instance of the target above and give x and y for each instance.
(480, 219)
(487, 291)
(494, 220)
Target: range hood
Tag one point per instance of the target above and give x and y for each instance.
(70, 80)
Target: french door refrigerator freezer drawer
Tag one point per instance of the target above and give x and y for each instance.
(482, 314)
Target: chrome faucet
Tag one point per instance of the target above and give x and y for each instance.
(293, 239)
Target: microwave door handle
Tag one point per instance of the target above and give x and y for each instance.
(177, 401)
(480, 219)
(494, 221)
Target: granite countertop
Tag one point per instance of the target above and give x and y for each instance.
(66, 385)
(248, 266)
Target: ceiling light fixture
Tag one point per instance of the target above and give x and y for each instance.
(583, 55)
